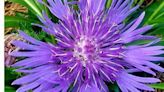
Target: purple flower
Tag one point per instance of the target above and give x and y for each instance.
(91, 50)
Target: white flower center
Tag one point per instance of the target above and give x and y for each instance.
(85, 50)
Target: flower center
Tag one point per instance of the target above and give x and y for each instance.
(85, 50)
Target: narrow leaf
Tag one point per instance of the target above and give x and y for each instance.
(13, 21)
(158, 86)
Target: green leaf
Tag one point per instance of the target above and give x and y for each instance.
(158, 31)
(9, 89)
(39, 5)
(158, 20)
(161, 42)
(108, 3)
(10, 75)
(154, 13)
(14, 21)
(157, 86)
(34, 7)
(155, 16)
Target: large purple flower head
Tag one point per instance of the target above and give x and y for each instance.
(92, 49)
